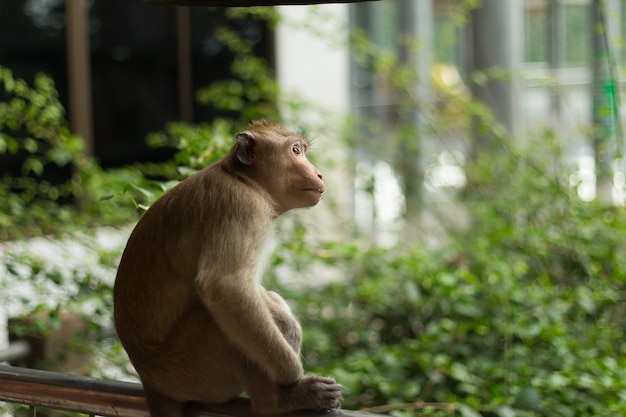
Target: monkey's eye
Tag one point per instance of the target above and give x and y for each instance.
(296, 149)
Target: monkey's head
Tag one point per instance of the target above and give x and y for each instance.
(277, 159)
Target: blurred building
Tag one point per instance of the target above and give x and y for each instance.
(123, 68)
(137, 66)
(537, 64)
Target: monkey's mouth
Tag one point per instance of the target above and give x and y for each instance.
(315, 190)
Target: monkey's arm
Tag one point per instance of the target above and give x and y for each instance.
(240, 308)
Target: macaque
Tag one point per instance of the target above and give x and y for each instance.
(189, 306)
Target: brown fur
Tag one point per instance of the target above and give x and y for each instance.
(189, 306)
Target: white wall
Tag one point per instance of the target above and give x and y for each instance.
(312, 63)
(311, 57)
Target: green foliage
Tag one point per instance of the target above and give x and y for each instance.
(198, 145)
(251, 92)
(33, 129)
(53, 186)
(519, 313)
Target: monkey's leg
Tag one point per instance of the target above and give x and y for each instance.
(160, 406)
(194, 363)
(284, 319)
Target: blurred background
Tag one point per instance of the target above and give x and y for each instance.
(468, 256)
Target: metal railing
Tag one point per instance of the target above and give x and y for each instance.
(100, 397)
(86, 395)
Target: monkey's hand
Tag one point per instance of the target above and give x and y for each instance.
(312, 392)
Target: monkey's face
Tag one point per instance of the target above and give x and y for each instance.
(303, 183)
(287, 174)
(277, 159)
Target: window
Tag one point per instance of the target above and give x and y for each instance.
(575, 28)
(536, 32)
(134, 63)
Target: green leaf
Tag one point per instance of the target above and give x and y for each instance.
(505, 411)
(467, 411)
(32, 165)
(528, 398)
(30, 145)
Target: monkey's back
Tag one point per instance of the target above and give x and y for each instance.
(189, 227)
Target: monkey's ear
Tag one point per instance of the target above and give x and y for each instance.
(245, 148)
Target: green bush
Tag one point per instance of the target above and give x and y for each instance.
(53, 186)
(519, 313)
(33, 130)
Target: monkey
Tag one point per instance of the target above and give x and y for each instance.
(188, 302)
